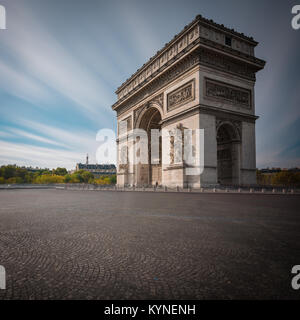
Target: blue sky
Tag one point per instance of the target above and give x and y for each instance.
(62, 60)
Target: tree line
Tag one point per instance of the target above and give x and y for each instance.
(284, 178)
(12, 174)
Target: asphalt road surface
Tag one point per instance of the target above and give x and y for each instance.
(60, 244)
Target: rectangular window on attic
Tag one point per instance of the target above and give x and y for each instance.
(228, 41)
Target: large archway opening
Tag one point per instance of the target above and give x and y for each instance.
(228, 155)
(151, 174)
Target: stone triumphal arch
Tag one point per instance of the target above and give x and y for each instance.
(202, 79)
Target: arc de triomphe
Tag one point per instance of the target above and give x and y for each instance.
(202, 79)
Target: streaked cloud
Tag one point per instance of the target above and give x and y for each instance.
(43, 58)
(22, 154)
(62, 145)
(22, 133)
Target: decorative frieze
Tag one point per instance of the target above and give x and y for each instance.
(224, 63)
(227, 93)
(181, 95)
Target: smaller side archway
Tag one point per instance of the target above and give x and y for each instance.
(150, 174)
(228, 154)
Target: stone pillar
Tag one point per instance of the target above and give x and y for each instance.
(248, 154)
(236, 160)
(209, 175)
(174, 175)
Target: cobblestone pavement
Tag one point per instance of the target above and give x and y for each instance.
(60, 244)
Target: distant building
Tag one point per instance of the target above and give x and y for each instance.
(97, 169)
(270, 171)
(276, 170)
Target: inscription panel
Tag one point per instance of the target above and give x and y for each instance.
(181, 95)
(228, 93)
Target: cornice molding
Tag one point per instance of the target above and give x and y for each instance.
(225, 113)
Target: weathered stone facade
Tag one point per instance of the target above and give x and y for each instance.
(203, 79)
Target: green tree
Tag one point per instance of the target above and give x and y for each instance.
(77, 177)
(286, 178)
(14, 180)
(106, 180)
(8, 171)
(87, 177)
(60, 171)
(113, 179)
(29, 177)
(21, 173)
(49, 179)
(68, 178)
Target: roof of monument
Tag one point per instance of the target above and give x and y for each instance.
(200, 19)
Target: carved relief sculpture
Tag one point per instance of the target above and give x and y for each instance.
(181, 95)
(221, 91)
